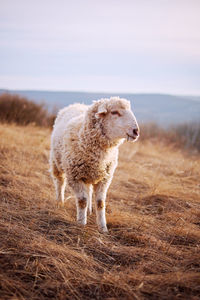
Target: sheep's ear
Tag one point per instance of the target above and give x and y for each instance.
(102, 111)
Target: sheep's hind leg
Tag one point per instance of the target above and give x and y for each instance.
(82, 192)
(59, 180)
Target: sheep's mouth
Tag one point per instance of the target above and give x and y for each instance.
(131, 137)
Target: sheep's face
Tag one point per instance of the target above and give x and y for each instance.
(118, 120)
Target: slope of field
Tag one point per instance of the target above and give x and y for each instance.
(152, 250)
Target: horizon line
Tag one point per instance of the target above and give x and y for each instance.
(102, 92)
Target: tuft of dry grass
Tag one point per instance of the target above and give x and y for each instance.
(153, 213)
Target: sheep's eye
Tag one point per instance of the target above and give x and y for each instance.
(115, 112)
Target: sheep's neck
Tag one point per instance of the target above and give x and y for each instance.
(94, 138)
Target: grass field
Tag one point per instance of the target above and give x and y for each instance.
(152, 250)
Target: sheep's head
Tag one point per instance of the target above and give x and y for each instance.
(117, 119)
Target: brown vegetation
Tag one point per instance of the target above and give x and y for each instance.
(20, 110)
(153, 211)
(185, 136)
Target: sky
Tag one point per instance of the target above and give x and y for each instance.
(133, 46)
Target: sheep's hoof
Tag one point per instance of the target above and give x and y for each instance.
(81, 222)
(103, 229)
(60, 204)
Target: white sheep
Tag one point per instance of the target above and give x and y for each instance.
(84, 151)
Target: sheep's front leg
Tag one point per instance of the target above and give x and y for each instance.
(100, 199)
(90, 199)
(82, 192)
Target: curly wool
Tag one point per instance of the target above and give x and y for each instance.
(80, 148)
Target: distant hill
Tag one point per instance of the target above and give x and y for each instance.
(160, 108)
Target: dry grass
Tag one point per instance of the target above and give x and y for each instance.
(153, 214)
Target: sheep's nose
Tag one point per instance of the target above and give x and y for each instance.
(136, 131)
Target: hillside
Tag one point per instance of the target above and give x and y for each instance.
(163, 109)
(153, 211)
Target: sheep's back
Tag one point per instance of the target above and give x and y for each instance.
(68, 113)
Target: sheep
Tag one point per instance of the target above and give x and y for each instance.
(84, 151)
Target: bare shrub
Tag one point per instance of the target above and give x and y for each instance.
(151, 130)
(186, 136)
(19, 110)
